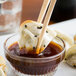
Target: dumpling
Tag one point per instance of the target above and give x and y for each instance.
(67, 39)
(3, 67)
(29, 34)
(70, 57)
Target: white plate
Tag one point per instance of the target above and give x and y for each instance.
(68, 27)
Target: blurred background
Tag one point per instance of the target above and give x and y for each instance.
(14, 12)
(64, 10)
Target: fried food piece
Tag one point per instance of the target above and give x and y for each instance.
(2, 66)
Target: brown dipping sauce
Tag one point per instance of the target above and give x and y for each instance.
(35, 68)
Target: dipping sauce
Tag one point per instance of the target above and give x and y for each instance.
(34, 67)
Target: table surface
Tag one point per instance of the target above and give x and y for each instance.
(69, 27)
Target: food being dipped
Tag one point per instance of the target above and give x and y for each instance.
(3, 67)
(29, 34)
(21, 50)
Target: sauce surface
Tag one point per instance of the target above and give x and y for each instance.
(51, 50)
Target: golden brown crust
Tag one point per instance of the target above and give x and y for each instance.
(27, 21)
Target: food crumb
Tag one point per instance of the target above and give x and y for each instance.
(44, 45)
(39, 27)
(25, 26)
(46, 31)
(35, 35)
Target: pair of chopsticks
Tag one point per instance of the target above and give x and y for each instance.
(46, 4)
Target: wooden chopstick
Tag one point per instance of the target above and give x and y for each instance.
(46, 22)
(43, 10)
